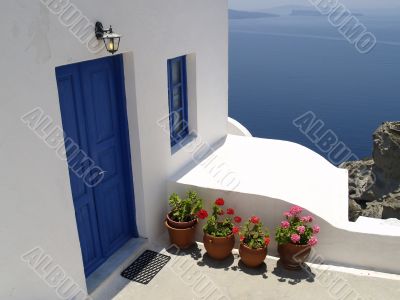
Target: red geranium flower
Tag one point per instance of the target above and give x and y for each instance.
(267, 240)
(221, 212)
(242, 238)
(235, 230)
(230, 211)
(202, 214)
(219, 202)
(255, 220)
(237, 219)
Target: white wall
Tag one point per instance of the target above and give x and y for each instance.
(349, 245)
(36, 206)
(272, 176)
(236, 128)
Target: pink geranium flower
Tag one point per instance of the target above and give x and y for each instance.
(306, 219)
(297, 228)
(313, 241)
(295, 210)
(300, 229)
(287, 214)
(295, 238)
(285, 224)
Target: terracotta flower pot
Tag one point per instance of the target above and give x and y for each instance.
(180, 225)
(252, 257)
(293, 256)
(181, 237)
(219, 248)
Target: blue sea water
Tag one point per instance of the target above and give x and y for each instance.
(282, 67)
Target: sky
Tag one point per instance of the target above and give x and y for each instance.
(358, 4)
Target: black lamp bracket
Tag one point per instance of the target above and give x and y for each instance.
(99, 30)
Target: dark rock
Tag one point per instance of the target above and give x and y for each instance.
(391, 207)
(355, 210)
(386, 152)
(374, 183)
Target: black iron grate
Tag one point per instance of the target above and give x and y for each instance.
(145, 267)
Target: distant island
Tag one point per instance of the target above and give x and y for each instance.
(313, 13)
(285, 10)
(238, 14)
(305, 13)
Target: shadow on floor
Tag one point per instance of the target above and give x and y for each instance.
(293, 277)
(259, 271)
(216, 264)
(203, 260)
(193, 251)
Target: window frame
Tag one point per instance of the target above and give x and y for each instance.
(182, 84)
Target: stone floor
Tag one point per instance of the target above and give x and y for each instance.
(193, 275)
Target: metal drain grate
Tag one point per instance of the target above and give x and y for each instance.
(145, 267)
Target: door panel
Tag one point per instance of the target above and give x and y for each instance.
(105, 138)
(98, 82)
(94, 117)
(87, 234)
(71, 105)
(114, 229)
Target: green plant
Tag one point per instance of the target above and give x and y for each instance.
(253, 235)
(219, 226)
(297, 229)
(185, 210)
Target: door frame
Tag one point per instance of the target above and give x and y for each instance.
(118, 75)
(123, 114)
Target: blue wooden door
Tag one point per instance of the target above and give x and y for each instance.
(93, 109)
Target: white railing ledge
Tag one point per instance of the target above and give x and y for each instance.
(236, 128)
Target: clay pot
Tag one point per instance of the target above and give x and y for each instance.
(219, 248)
(293, 256)
(180, 225)
(181, 237)
(252, 258)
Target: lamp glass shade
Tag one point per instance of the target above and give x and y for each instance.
(111, 41)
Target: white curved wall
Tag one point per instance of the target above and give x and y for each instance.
(275, 175)
(236, 128)
(277, 169)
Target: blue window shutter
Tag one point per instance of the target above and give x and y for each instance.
(178, 102)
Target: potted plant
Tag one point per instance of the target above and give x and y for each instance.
(295, 237)
(219, 231)
(181, 221)
(254, 240)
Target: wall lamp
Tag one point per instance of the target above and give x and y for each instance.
(110, 39)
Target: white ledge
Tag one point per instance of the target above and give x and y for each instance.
(236, 128)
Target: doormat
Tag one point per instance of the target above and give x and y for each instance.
(145, 267)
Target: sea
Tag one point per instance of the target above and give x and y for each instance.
(282, 68)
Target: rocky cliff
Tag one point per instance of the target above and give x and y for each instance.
(374, 184)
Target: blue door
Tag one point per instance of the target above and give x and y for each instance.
(93, 110)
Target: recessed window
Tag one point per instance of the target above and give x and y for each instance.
(178, 103)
